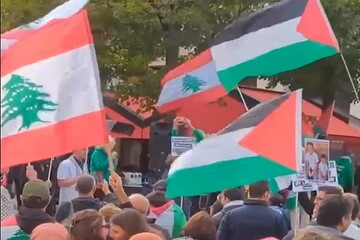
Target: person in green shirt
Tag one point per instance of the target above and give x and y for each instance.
(183, 127)
(101, 160)
(345, 173)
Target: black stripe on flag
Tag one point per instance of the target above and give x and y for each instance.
(272, 15)
(256, 115)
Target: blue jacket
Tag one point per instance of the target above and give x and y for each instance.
(253, 221)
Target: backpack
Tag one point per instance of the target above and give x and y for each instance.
(67, 222)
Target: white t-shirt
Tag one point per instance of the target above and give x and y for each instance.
(323, 170)
(69, 168)
(312, 159)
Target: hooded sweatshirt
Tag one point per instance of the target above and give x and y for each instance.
(66, 209)
(20, 226)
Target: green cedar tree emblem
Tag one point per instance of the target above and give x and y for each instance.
(24, 98)
(191, 83)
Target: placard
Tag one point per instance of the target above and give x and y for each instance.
(179, 145)
(315, 169)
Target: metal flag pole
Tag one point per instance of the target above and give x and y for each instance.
(242, 97)
(350, 77)
(50, 168)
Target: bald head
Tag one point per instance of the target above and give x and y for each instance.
(145, 236)
(140, 203)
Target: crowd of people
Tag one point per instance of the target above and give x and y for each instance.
(237, 213)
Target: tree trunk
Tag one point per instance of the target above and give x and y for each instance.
(171, 52)
(329, 87)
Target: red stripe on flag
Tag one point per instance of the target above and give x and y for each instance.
(17, 33)
(54, 140)
(207, 96)
(188, 66)
(51, 40)
(315, 25)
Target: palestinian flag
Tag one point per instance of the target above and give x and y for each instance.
(51, 102)
(263, 143)
(63, 11)
(282, 37)
(322, 125)
(11, 231)
(170, 217)
(279, 38)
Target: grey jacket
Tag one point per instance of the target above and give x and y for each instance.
(228, 207)
(330, 231)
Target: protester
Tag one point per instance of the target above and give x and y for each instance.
(168, 214)
(89, 224)
(35, 197)
(311, 207)
(333, 217)
(85, 186)
(108, 211)
(215, 208)
(230, 199)
(254, 220)
(126, 224)
(277, 202)
(141, 204)
(200, 227)
(100, 160)
(55, 230)
(145, 236)
(353, 230)
(306, 234)
(345, 172)
(68, 172)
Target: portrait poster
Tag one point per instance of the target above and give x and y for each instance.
(315, 169)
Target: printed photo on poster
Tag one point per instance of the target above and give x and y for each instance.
(316, 159)
(315, 168)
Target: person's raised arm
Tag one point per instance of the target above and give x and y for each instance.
(116, 185)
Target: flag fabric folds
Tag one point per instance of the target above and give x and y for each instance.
(51, 101)
(63, 11)
(281, 37)
(263, 143)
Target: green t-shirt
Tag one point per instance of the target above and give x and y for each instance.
(99, 162)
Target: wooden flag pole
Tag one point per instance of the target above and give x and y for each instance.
(350, 77)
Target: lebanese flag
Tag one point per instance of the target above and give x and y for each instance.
(281, 37)
(63, 11)
(51, 101)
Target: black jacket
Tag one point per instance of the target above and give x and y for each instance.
(80, 204)
(227, 208)
(28, 219)
(253, 221)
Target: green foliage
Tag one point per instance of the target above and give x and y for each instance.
(24, 99)
(328, 78)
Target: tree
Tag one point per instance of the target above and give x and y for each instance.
(327, 78)
(24, 99)
(191, 83)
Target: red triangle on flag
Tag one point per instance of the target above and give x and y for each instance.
(275, 137)
(315, 25)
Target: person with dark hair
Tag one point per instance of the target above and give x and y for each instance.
(88, 224)
(127, 224)
(323, 173)
(85, 186)
(310, 207)
(254, 220)
(277, 202)
(230, 199)
(35, 197)
(333, 218)
(353, 230)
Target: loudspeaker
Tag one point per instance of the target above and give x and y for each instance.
(159, 144)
